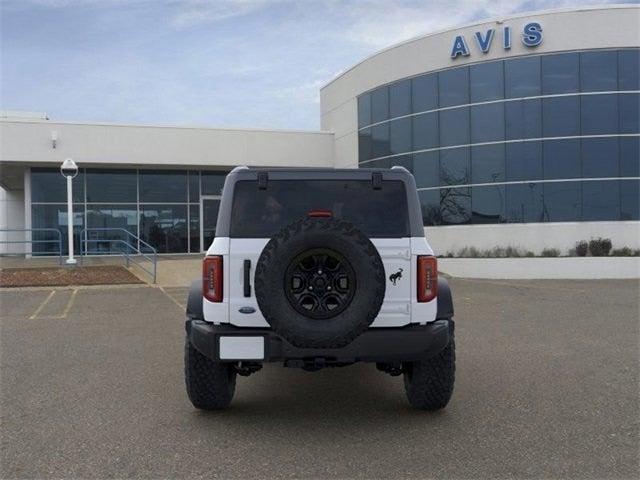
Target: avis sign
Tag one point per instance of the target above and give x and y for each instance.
(531, 37)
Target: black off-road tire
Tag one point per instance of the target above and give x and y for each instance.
(429, 383)
(210, 385)
(320, 233)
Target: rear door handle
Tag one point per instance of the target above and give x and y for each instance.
(247, 280)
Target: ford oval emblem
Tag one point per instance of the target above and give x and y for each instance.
(247, 310)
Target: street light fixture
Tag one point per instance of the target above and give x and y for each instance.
(69, 170)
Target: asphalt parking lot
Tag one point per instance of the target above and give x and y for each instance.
(547, 386)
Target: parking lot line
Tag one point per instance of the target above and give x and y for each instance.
(172, 298)
(42, 305)
(69, 304)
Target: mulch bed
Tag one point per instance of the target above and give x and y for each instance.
(65, 276)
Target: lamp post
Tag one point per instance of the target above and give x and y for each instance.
(69, 170)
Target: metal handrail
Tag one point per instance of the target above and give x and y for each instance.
(32, 241)
(151, 257)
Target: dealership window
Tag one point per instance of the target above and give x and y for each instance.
(212, 182)
(455, 205)
(424, 93)
(400, 99)
(426, 169)
(454, 166)
(629, 195)
(112, 186)
(524, 203)
(487, 204)
(629, 111)
(486, 81)
(400, 135)
(561, 116)
(425, 131)
(523, 161)
(601, 200)
(194, 186)
(599, 71)
(163, 186)
(629, 156)
(562, 201)
(430, 204)
(488, 164)
(560, 73)
(629, 69)
(365, 145)
(164, 227)
(380, 105)
(48, 185)
(523, 119)
(487, 123)
(454, 127)
(599, 114)
(364, 110)
(380, 140)
(405, 161)
(115, 218)
(453, 87)
(561, 159)
(522, 77)
(600, 157)
(55, 216)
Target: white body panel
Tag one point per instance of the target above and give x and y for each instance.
(398, 309)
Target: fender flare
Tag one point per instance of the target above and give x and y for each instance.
(445, 300)
(194, 303)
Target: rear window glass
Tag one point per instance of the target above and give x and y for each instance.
(262, 213)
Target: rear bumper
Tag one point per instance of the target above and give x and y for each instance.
(410, 343)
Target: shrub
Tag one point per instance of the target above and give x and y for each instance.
(581, 249)
(550, 252)
(624, 252)
(600, 247)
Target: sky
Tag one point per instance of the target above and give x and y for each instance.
(218, 63)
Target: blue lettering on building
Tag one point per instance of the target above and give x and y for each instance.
(531, 37)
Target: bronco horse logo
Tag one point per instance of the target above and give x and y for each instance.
(396, 276)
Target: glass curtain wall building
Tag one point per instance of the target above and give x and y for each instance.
(161, 207)
(539, 138)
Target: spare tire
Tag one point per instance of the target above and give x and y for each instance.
(320, 283)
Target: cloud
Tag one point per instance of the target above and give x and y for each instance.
(196, 12)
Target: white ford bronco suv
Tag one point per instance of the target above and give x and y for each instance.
(319, 268)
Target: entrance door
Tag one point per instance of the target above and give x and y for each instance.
(209, 206)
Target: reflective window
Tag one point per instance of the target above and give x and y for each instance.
(599, 71)
(114, 218)
(405, 161)
(107, 185)
(454, 127)
(380, 140)
(165, 227)
(524, 203)
(561, 116)
(561, 159)
(194, 186)
(425, 131)
(210, 209)
(365, 145)
(523, 161)
(629, 69)
(48, 185)
(194, 229)
(400, 99)
(487, 123)
(55, 216)
(629, 111)
(163, 186)
(453, 87)
(600, 201)
(364, 110)
(560, 73)
(599, 157)
(599, 114)
(629, 200)
(487, 81)
(487, 164)
(522, 77)
(430, 203)
(523, 119)
(424, 93)
(629, 156)
(380, 104)
(488, 204)
(562, 201)
(400, 135)
(212, 182)
(426, 169)
(455, 206)
(454, 166)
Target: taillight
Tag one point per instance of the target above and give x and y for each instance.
(212, 278)
(320, 213)
(427, 278)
